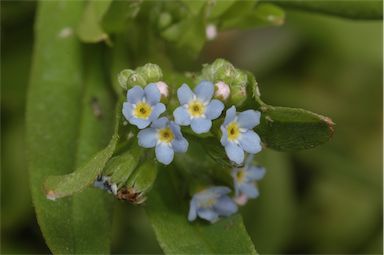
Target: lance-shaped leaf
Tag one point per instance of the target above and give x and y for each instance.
(290, 129)
(89, 28)
(348, 9)
(168, 212)
(65, 185)
(66, 125)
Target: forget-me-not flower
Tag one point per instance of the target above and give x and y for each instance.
(211, 203)
(197, 109)
(143, 105)
(245, 181)
(237, 134)
(166, 136)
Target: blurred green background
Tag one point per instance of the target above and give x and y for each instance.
(324, 200)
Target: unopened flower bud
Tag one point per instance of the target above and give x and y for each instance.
(209, 71)
(241, 199)
(211, 31)
(222, 90)
(150, 72)
(129, 78)
(239, 88)
(123, 77)
(163, 88)
(138, 185)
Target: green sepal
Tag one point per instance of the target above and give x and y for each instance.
(121, 167)
(236, 79)
(150, 72)
(139, 183)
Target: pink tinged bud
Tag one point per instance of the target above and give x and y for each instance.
(222, 90)
(211, 31)
(163, 87)
(241, 199)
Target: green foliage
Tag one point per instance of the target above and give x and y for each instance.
(290, 129)
(59, 136)
(259, 15)
(89, 29)
(167, 210)
(69, 120)
(347, 9)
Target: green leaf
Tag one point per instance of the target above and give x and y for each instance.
(194, 6)
(262, 14)
(89, 28)
(347, 9)
(66, 125)
(289, 129)
(217, 8)
(168, 211)
(66, 185)
(119, 13)
(188, 34)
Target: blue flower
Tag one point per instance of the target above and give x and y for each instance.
(211, 203)
(143, 105)
(245, 181)
(237, 134)
(166, 136)
(197, 109)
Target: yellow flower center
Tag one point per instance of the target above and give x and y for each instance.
(165, 135)
(233, 131)
(196, 108)
(208, 202)
(240, 175)
(142, 110)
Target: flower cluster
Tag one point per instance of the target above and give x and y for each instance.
(213, 202)
(198, 109)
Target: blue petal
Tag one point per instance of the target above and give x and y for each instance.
(147, 138)
(214, 109)
(152, 93)
(160, 123)
(201, 125)
(256, 173)
(181, 116)
(204, 91)
(127, 110)
(180, 145)
(192, 210)
(185, 94)
(234, 153)
(225, 206)
(164, 153)
(248, 119)
(135, 95)
(249, 159)
(220, 190)
(208, 214)
(224, 136)
(250, 142)
(140, 123)
(158, 109)
(176, 130)
(230, 115)
(250, 190)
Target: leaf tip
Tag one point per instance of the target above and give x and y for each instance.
(331, 125)
(51, 195)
